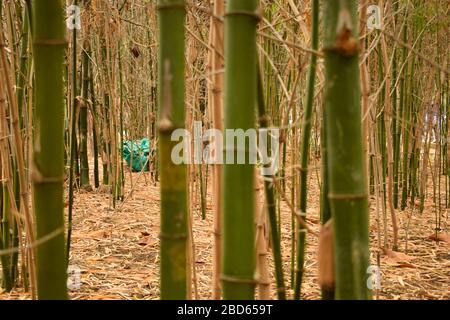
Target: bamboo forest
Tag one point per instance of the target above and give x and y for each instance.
(224, 150)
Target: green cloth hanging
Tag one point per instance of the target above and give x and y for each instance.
(136, 152)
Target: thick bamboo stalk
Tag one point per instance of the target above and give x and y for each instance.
(347, 178)
(173, 279)
(48, 158)
(238, 265)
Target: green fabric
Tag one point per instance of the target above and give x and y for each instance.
(136, 152)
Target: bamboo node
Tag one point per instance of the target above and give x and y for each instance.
(281, 289)
(264, 119)
(301, 169)
(50, 42)
(173, 6)
(302, 214)
(175, 236)
(165, 125)
(345, 43)
(38, 178)
(253, 14)
(233, 279)
(346, 196)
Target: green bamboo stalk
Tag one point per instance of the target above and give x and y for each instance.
(73, 166)
(21, 95)
(121, 183)
(106, 142)
(48, 157)
(325, 212)
(406, 121)
(397, 112)
(445, 101)
(106, 119)
(328, 291)
(7, 200)
(416, 131)
(29, 15)
(304, 153)
(269, 189)
(381, 126)
(94, 126)
(84, 162)
(238, 264)
(202, 191)
(5, 238)
(23, 72)
(2, 188)
(347, 186)
(174, 208)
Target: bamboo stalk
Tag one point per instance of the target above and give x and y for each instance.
(174, 247)
(262, 265)
(306, 137)
(73, 164)
(84, 162)
(269, 188)
(238, 264)
(390, 147)
(48, 157)
(347, 185)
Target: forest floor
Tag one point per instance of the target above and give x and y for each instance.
(117, 250)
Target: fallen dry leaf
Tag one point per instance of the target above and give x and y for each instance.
(396, 258)
(145, 241)
(442, 237)
(405, 265)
